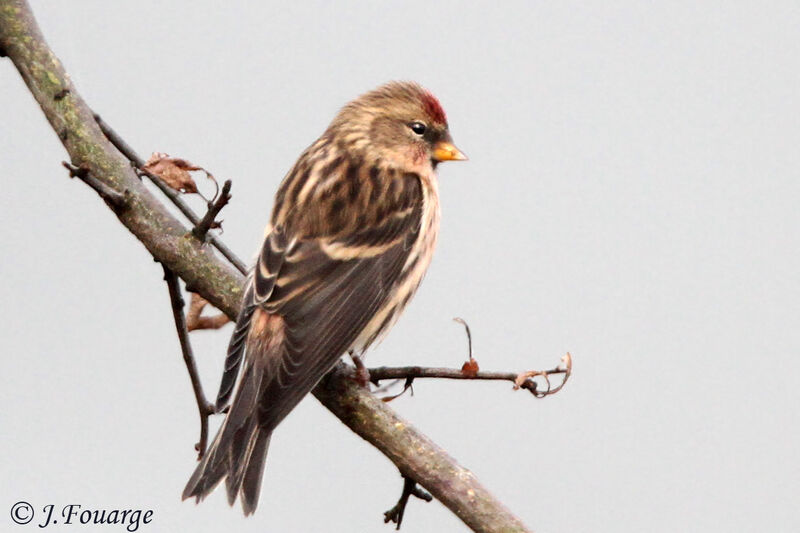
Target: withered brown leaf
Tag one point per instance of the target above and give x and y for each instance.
(175, 171)
(565, 368)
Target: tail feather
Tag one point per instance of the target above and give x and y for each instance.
(239, 451)
(239, 457)
(254, 473)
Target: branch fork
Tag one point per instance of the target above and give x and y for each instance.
(138, 165)
(115, 200)
(396, 513)
(204, 407)
(471, 371)
(209, 220)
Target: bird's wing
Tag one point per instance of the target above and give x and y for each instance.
(257, 290)
(325, 287)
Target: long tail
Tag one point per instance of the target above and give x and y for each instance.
(277, 373)
(238, 452)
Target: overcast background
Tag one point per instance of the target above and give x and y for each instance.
(631, 197)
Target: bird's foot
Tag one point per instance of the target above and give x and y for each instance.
(362, 374)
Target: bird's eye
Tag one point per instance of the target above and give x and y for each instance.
(418, 128)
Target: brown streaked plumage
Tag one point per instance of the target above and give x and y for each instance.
(351, 235)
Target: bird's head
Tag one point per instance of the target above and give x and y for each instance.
(398, 121)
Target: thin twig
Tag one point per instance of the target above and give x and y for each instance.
(205, 408)
(471, 370)
(416, 372)
(114, 199)
(470, 367)
(410, 488)
(469, 333)
(173, 195)
(196, 320)
(201, 229)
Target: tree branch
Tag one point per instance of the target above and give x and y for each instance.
(115, 200)
(470, 370)
(201, 229)
(169, 242)
(414, 454)
(164, 237)
(173, 195)
(414, 372)
(396, 513)
(204, 407)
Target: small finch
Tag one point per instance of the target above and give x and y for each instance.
(351, 235)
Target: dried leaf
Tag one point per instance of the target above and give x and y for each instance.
(194, 320)
(525, 376)
(566, 360)
(175, 172)
(522, 380)
(409, 385)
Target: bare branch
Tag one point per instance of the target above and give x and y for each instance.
(469, 333)
(204, 407)
(114, 199)
(470, 370)
(196, 320)
(173, 195)
(414, 454)
(416, 372)
(72, 120)
(396, 513)
(208, 221)
(470, 367)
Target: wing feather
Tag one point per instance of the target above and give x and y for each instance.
(236, 348)
(326, 288)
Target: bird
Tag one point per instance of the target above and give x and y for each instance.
(352, 232)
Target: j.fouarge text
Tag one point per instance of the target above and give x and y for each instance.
(76, 514)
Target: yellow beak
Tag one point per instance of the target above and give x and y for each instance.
(446, 151)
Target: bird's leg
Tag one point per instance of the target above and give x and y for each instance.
(395, 514)
(362, 374)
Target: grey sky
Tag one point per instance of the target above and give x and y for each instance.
(631, 197)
